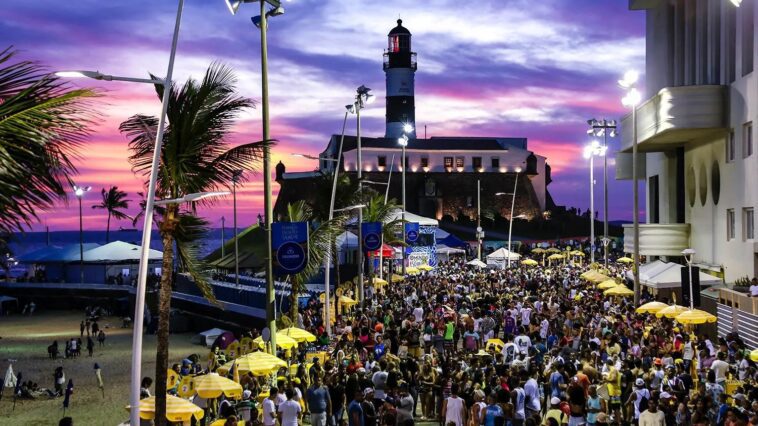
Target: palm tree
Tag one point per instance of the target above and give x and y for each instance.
(113, 201)
(42, 124)
(195, 158)
(321, 236)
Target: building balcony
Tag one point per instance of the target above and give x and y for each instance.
(677, 116)
(658, 239)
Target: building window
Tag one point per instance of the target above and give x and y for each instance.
(729, 224)
(730, 147)
(495, 162)
(448, 162)
(424, 161)
(381, 161)
(747, 139)
(459, 161)
(748, 223)
(476, 162)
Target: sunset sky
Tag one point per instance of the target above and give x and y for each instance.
(511, 68)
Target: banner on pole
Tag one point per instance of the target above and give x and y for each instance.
(411, 232)
(372, 235)
(290, 246)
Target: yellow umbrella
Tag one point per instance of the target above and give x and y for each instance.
(553, 250)
(538, 250)
(411, 270)
(172, 378)
(619, 290)
(212, 386)
(625, 259)
(282, 341)
(378, 281)
(425, 268)
(496, 345)
(395, 278)
(670, 311)
(695, 316)
(529, 262)
(246, 345)
(259, 363)
(347, 302)
(607, 284)
(299, 334)
(577, 253)
(555, 257)
(177, 409)
(651, 307)
(754, 355)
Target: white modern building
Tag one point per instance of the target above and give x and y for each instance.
(695, 134)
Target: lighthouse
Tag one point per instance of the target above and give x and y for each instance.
(400, 70)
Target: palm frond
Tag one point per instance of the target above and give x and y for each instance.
(190, 231)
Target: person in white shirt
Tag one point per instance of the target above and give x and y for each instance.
(526, 315)
(721, 368)
(269, 407)
(523, 342)
(532, 393)
(289, 411)
(754, 288)
(742, 366)
(652, 416)
(418, 313)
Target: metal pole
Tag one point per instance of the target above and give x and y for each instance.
(139, 303)
(386, 197)
(236, 243)
(592, 208)
(223, 250)
(635, 213)
(606, 241)
(510, 225)
(358, 105)
(479, 220)
(81, 242)
(270, 295)
(403, 214)
(328, 259)
(692, 300)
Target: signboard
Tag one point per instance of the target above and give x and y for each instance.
(290, 246)
(411, 232)
(685, 274)
(372, 235)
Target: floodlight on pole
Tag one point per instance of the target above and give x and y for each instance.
(737, 3)
(79, 191)
(605, 129)
(363, 97)
(96, 75)
(629, 80)
(594, 149)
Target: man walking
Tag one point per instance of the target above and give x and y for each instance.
(319, 402)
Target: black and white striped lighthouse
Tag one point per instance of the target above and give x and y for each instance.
(400, 69)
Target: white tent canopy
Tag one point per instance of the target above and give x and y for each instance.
(410, 217)
(502, 254)
(118, 251)
(443, 249)
(476, 262)
(661, 275)
(347, 240)
(207, 337)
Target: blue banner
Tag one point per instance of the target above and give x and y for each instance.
(411, 232)
(289, 241)
(372, 235)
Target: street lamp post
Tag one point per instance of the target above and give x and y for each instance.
(479, 235)
(139, 299)
(403, 141)
(362, 98)
(510, 222)
(260, 21)
(631, 99)
(223, 229)
(689, 255)
(235, 179)
(79, 192)
(591, 151)
(604, 128)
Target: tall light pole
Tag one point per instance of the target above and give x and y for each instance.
(362, 98)
(591, 151)
(513, 207)
(223, 228)
(479, 235)
(403, 142)
(604, 128)
(260, 21)
(236, 174)
(689, 255)
(139, 302)
(79, 191)
(631, 99)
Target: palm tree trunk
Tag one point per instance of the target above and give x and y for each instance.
(164, 311)
(295, 291)
(108, 229)
(336, 264)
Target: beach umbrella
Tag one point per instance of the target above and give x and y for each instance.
(754, 355)
(246, 345)
(651, 307)
(555, 257)
(212, 385)
(607, 284)
(282, 342)
(538, 250)
(412, 270)
(186, 388)
(529, 262)
(625, 260)
(177, 409)
(299, 334)
(395, 278)
(10, 380)
(477, 263)
(259, 363)
(553, 250)
(67, 397)
(695, 316)
(577, 253)
(619, 290)
(99, 377)
(347, 302)
(671, 311)
(172, 378)
(425, 268)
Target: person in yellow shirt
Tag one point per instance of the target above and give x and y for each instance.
(613, 381)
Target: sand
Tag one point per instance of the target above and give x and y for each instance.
(25, 339)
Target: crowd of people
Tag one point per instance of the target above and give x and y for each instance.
(463, 346)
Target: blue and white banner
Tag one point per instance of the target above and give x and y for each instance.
(411, 232)
(289, 241)
(372, 235)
